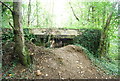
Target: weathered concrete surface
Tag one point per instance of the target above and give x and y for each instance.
(56, 32)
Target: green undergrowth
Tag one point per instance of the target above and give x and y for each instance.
(110, 68)
(8, 69)
(89, 39)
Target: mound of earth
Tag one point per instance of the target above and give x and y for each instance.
(68, 62)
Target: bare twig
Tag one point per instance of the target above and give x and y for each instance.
(11, 25)
(73, 12)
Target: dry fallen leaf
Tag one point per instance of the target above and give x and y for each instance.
(23, 70)
(38, 73)
(10, 75)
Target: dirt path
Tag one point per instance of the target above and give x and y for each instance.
(60, 63)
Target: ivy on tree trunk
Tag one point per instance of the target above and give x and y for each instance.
(19, 48)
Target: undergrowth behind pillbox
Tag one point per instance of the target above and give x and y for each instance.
(89, 39)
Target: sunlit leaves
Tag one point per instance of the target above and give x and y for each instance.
(6, 14)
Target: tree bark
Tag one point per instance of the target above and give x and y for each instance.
(19, 48)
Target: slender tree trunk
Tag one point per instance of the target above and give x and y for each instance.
(29, 12)
(93, 21)
(92, 14)
(104, 42)
(88, 14)
(104, 13)
(88, 19)
(19, 49)
(37, 12)
(119, 38)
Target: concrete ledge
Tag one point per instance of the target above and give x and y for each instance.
(54, 32)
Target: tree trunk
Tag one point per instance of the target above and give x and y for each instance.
(104, 14)
(37, 13)
(104, 42)
(29, 12)
(92, 15)
(88, 18)
(119, 38)
(19, 49)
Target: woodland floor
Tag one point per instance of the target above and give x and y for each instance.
(68, 62)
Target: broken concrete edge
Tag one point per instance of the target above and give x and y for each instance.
(54, 32)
